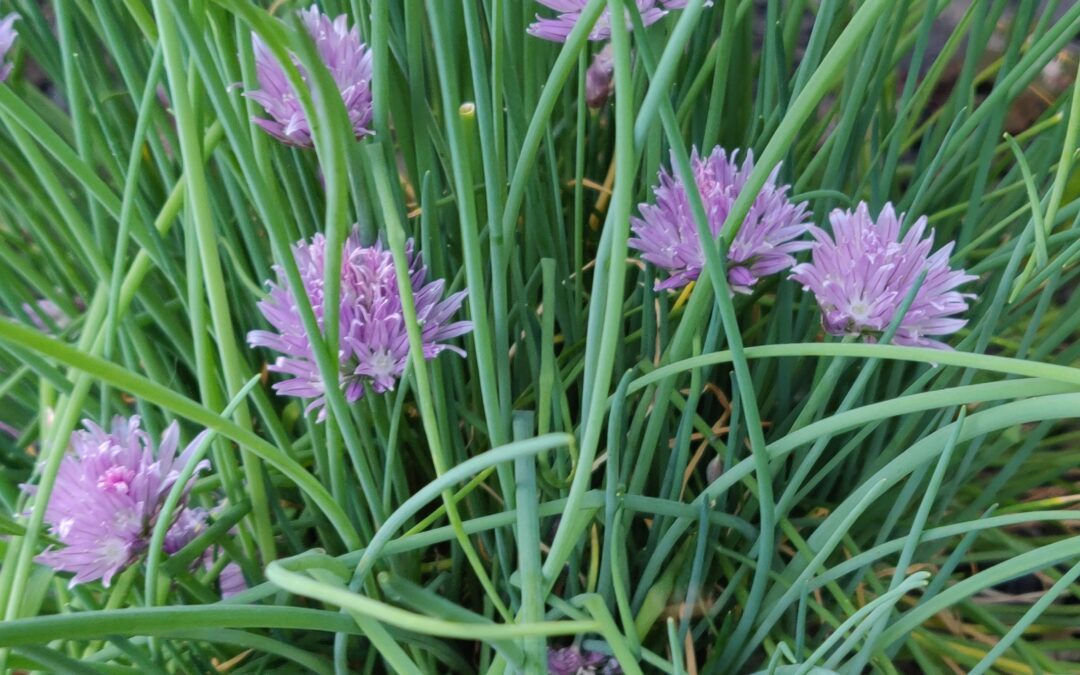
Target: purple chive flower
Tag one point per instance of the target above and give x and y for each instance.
(864, 271)
(348, 60)
(107, 498)
(7, 38)
(558, 29)
(600, 78)
(572, 661)
(667, 236)
(374, 345)
(187, 525)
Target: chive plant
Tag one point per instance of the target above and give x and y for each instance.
(541, 336)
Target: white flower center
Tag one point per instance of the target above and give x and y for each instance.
(859, 310)
(383, 364)
(116, 479)
(114, 551)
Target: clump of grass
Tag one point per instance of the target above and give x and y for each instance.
(690, 477)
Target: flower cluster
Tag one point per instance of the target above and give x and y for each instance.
(860, 278)
(108, 496)
(667, 235)
(109, 492)
(349, 62)
(862, 273)
(7, 39)
(374, 346)
(573, 661)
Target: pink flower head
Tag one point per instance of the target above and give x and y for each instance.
(349, 62)
(864, 271)
(667, 236)
(107, 498)
(557, 29)
(374, 344)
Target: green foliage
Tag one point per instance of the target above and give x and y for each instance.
(692, 483)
